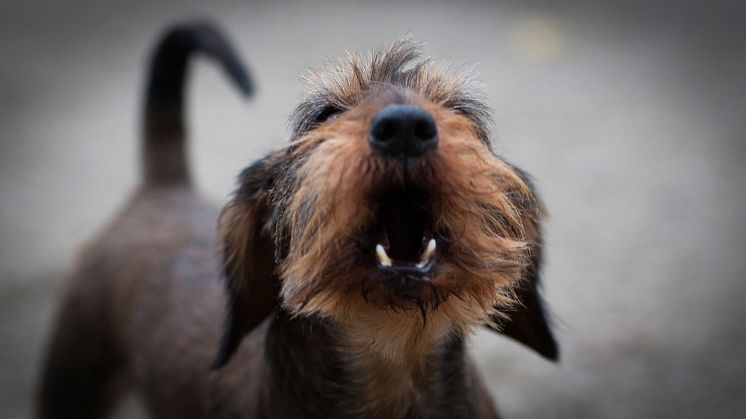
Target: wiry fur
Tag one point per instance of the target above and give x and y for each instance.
(343, 85)
(314, 328)
(324, 189)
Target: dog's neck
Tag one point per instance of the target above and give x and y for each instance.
(322, 368)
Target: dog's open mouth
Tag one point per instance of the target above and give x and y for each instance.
(400, 237)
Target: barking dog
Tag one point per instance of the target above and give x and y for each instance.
(355, 261)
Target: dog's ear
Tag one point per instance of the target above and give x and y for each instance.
(527, 321)
(248, 252)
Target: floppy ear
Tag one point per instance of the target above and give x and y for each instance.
(248, 253)
(527, 322)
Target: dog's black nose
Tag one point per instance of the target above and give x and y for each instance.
(403, 130)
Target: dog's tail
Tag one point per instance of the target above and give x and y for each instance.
(164, 152)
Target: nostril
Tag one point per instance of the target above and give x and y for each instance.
(424, 129)
(384, 130)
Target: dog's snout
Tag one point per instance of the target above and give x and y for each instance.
(403, 130)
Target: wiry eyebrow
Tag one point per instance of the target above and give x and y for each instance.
(341, 85)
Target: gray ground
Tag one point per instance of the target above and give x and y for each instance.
(631, 118)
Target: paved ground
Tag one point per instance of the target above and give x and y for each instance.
(631, 118)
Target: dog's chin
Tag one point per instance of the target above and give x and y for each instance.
(402, 291)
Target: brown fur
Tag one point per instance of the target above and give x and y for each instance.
(313, 330)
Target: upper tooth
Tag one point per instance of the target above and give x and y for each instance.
(383, 258)
(427, 253)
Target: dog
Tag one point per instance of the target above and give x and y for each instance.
(352, 263)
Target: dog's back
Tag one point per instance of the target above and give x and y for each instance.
(114, 326)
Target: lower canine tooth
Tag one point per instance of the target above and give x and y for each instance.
(428, 253)
(383, 258)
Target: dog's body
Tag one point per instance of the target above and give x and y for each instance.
(146, 302)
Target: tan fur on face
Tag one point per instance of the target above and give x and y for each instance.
(327, 194)
(328, 205)
(477, 198)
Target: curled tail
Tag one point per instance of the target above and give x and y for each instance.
(164, 151)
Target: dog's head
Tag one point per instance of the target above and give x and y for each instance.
(388, 198)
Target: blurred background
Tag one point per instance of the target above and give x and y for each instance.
(631, 116)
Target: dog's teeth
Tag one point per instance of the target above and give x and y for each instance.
(427, 253)
(383, 258)
(429, 250)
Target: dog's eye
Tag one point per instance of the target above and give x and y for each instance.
(327, 114)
